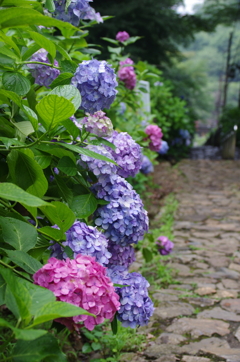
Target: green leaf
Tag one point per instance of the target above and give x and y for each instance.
(84, 205)
(87, 348)
(33, 118)
(100, 141)
(114, 324)
(25, 127)
(16, 82)
(69, 252)
(25, 261)
(40, 349)
(26, 172)
(9, 53)
(8, 40)
(54, 109)
(44, 42)
(63, 52)
(67, 166)
(30, 51)
(5, 61)
(96, 346)
(62, 79)
(28, 335)
(42, 159)
(69, 92)
(5, 128)
(53, 233)
(52, 149)
(11, 95)
(3, 285)
(65, 192)
(147, 254)
(60, 215)
(71, 128)
(68, 66)
(12, 192)
(111, 40)
(20, 235)
(50, 5)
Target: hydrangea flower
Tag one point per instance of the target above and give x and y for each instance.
(85, 240)
(82, 282)
(121, 255)
(124, 219)
(96, 81)
(165, 246)
(98, 124)
(98, 167)
(127, 154)
(112, 187)
(147, 166)
(127, 74)
(136, 306)
(122, 36)
(155, 134)
(163, 148)
(77, 10)
(43, 74)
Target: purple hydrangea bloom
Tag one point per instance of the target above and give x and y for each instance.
(127, 154)
(98, 167)
(77, 10)
(122, 36)
(112, 187)
(43, 74)
(86, 240)
(96, 81)
(98, 124)
(121, 255)
(124, 219)
(136, 306)
(165, 246)
(147, 166)
(163, 148)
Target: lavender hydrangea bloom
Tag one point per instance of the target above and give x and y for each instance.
(124, 219)
(112, 187)
(147, 166)
(86, 240)
(136, 306)
(127, 154)
(98, 124)
(122, 36)
(163, 148)
(43, 74)
(121, 255)
(96, 81)
(165, 246)
(98, 167)
(77, 10)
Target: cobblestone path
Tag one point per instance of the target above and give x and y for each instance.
(199, 319)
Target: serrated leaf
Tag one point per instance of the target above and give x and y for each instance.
(62, 79)
(68, 92)
(14, 193)
(84, 205)
(54, 150)
(16, 82)
(25, 261)
(11, 95)
(60, 215)
(55, 234)
(25, 127)
(67, 166)
(44, 42)
(28, 335)
(42, 159)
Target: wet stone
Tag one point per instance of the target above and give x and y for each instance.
(219, 313)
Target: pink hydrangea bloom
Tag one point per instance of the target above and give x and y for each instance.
(122, 36)
(84, 283)
(165, 246)
(127, 73)
(155, 135)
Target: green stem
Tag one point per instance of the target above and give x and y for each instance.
(33, 62)
(12, 268)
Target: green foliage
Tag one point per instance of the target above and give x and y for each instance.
(229, 118)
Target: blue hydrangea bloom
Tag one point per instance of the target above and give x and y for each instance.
(128, 154)
(136, 306)
(124, 219)
(112, 187)
(43, 74)
(121, 255)
(163, 148)
(86, 240)
(98, 167)
(147, 166)
(77, 10)
(96, 81)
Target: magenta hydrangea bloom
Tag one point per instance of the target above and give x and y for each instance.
(43, 74)
(96, 81)
(127, 155)
(121, 255)
(122, 36)
(127, 74)
(98, 124)
(84, 283)
(155, 135)
(165, 246)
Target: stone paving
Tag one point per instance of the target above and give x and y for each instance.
(198, 320)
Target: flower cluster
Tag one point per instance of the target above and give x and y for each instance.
(165, 246)
(77, 10)
(163, 148)
(127, 74)
(96, 81)
(136, 306)
(43, 74)
(155, 135)
(147, 166)
(122, 36)
(127, 154)
(111, 187)
(98, 124)
(98, 167)
(124, 219)
(86, 240)
(121, 255)
(82, 282)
